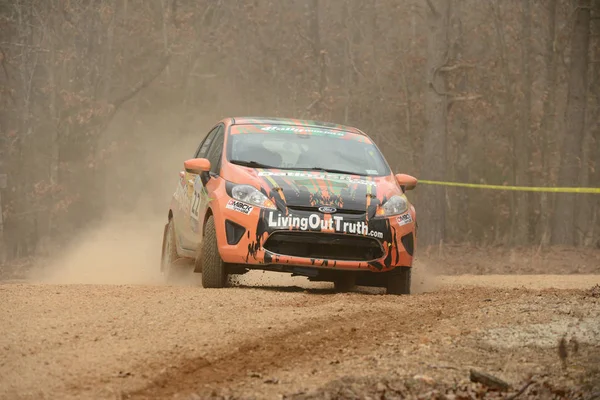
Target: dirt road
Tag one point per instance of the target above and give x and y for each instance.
(296, 339)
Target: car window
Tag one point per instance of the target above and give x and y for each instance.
(215, 150)
(205, 144)
(306, 148)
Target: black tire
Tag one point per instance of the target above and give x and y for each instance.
(214, 270)
(169, 254)
(344, 282)
(399, 281)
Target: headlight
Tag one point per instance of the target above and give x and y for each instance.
(249, 194)
(395, 205)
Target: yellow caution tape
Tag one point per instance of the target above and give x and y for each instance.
(518, 188)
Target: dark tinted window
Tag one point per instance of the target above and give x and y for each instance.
(216, 149)
(201, 152)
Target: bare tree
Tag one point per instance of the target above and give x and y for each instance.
(433, 208)
(522, 140)
(548, 117)
(570, 166)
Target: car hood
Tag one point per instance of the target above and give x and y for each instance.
(310, 190)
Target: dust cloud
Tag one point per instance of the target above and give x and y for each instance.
(125, 249)
(124, 246)
(424, 279)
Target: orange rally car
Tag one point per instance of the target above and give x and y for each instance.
(303, 197)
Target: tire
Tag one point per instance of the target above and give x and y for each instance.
(399, 281)
(214, 270)
(169, 254)
(344, 282)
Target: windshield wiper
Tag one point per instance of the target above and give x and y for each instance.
(251, 164)
(330, 170)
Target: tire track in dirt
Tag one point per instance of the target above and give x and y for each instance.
(316, 342)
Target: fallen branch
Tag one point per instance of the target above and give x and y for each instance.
(442, 366)
(488, 380)
(521, 391)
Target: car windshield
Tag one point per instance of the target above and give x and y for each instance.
(304, 148)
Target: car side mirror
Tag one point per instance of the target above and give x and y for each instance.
(408, 182)
(197, 165)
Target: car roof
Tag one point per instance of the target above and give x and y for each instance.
(293, 122)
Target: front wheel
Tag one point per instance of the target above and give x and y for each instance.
(399, 281)
(214, 270)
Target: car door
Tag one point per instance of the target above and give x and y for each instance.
(206, 183)
(188, 215)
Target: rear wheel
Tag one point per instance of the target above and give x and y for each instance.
(169, 254)
(344, 282)
(399, 281)
(214, 270)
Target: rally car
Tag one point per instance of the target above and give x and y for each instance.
(308, 198)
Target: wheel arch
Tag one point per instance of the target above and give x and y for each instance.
(209, 213)
(219, 221)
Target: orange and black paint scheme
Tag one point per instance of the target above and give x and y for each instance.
(328, 226)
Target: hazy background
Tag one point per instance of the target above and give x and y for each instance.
(102, 100)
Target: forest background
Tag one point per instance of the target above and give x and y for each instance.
(102, 100)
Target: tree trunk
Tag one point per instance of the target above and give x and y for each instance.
(547, 126)
(433, 206)
(592, 219)
(347, 62)
(461, 134)
(3, 255)
(522, 137)
(319, 57)
(508, 115)
(563, 231)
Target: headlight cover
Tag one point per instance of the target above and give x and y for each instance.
(251, 195)
(395, 205)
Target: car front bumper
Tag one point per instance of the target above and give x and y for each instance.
(264, 239)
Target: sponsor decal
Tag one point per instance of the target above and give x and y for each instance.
(238, 206)
(332, 177)
(404, 219)
(297, 129)
(316, 221)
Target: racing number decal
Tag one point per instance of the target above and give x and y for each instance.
(199, 198)
(195, 205)
(196, 198)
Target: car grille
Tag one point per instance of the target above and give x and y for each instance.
(316, 210)
(329, 246)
